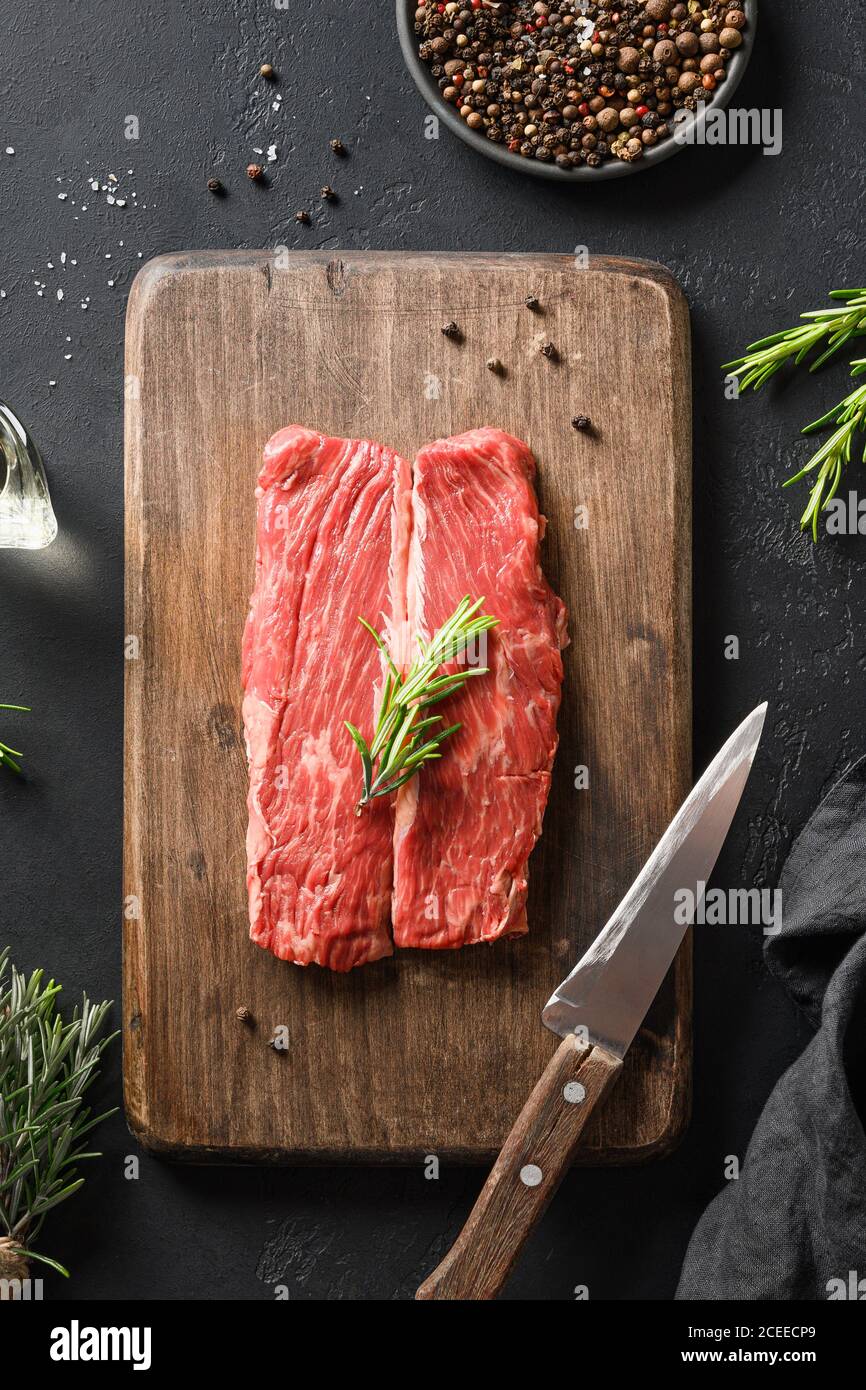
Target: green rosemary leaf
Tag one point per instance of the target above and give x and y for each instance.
(46, 1260)
(430, 748)
(358, 739)
(377, 638)
(394, 786)
(366, 759)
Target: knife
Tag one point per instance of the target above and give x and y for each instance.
(597, 1010)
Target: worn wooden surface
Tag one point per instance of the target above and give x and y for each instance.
(425, 1052)
(527, 1173)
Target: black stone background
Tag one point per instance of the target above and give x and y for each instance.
(752, 240)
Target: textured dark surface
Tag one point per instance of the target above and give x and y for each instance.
(752, 240)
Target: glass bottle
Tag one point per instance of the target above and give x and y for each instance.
(27, 518)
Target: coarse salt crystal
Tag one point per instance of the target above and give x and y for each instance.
(9, 149)
(59, 294)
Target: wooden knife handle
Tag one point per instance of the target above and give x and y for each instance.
(526, 1174)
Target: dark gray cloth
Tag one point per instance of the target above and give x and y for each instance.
(795, 1219)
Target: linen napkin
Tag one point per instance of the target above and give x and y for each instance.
(793, 1225)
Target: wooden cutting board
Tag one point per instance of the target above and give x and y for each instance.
(428, 1052)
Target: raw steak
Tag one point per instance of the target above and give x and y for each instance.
(465, 827)
(333, 532)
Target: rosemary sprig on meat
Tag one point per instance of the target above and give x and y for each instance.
(404, 738)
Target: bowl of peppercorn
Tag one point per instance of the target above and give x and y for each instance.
(579, 89)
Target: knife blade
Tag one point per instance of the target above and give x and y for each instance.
(597, 1010)
(610, 989)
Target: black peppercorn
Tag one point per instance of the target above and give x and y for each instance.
(451, 330)
(215, 186)
(582, 422)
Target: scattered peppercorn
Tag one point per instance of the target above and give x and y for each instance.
(328, 193)
(494, 365)
(338, 147)
(243, 1014)
(537, 79)
(302, 216)
(531, 301)
(215, 186)
(255, 171)
(451, 330)
(582, 422)
(549, 351)
(267, 71)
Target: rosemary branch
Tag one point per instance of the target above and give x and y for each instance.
(830, 329)
(403, 739)
(46, 1066)
(835, 327)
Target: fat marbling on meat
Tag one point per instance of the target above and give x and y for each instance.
(332, 534)
(466, 825)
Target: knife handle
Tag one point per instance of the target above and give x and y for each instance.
(529, 1169)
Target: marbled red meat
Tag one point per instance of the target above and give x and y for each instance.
(343, 531)
(465, 827)
(333, 528)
